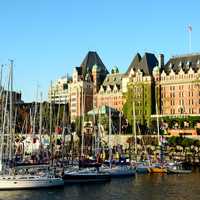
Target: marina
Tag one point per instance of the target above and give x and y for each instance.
(99, 100)
(145, 187)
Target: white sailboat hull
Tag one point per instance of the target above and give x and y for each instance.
(13, 183)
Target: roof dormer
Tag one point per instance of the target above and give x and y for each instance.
(188, 63)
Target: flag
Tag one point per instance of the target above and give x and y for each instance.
(189, 28)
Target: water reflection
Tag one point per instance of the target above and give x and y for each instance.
(142, 187)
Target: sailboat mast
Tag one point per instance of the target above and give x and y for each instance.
(58, 113)
(82, 132)
(134, 130)
(98, 132)
(35, 112)
(120, 123)
(11, 111)
(3, 125)
(50, 128)
(40, 130)
(157, 119)
(109, 138)
(94, 133)
(63, 132)
(1, 72)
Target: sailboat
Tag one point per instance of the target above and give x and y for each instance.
(158, 167)
(87, 174)
(12, 180)
(118, 171)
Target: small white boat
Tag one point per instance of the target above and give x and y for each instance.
(142, 168)
(9, 182)
(177, 168)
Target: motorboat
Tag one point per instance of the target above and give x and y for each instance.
(178, 168)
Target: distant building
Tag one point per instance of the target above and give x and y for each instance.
(16, 97)
(58, 91)
(86, 81)
(180, 85)
(110, 93)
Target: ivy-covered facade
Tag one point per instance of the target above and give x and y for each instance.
(140, 93)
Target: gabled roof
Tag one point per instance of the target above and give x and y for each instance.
(91, 59)
(113, 79)
(102, 110)
(79, 70)
(145, 64)
(185, 62)
(136, 60)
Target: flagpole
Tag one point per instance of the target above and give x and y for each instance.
(190, 38)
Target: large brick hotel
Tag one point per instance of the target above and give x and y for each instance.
(174, 86)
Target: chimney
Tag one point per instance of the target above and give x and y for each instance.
(161, 60)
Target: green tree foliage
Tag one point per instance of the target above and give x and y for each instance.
(171, 121)
(104, 121)
(182, 141)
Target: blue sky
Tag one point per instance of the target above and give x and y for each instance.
(46, 38)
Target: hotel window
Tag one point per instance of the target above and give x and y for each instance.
(73, 110)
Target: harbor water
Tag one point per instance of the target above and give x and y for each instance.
(141, 187)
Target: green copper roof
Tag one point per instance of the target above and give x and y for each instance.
(102, 110)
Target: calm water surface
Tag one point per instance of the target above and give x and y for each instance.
(142, 187)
